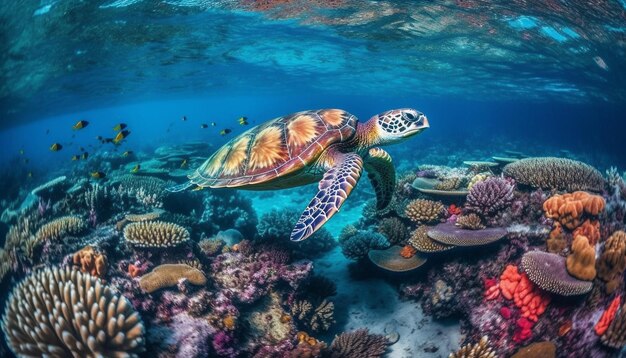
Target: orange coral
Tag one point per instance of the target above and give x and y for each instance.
(607, 316)
(91, 261)
(133, 271)
(581, 263)
(408, 251)
(589, 229)
(492, 292)
(508, 281)
(530, 299)
(556, 242)
(229, 322)
(568, 209)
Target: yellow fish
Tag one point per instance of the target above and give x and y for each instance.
(75, 157)
(225, 131)
(56, 147)
(120, 136)
(184, 163)
(243, 121)
(98, 175)
(127, 153)
(120, 126)
(80, 125)
(135, 168)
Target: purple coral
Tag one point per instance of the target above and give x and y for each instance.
(490, 196)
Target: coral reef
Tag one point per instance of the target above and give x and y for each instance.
(555, 173)
(581, 263)
(394, 230)
(449, 234)
(58, 228)
(317, 318)
(548, 271)
(155, 234)
(355, 244)
(45, 317)
(91, 261)
(424, 211)
(490, 196)
(168, 275)
(571, 209)
(470, 221)
(150, 216)
(358, 344)
(612, 263)
(482, 349)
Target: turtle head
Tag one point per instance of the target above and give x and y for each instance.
(399, 124)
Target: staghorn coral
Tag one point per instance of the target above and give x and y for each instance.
(548, 271)
(449, 234)
(470, 221)
(555, 173)
(316, 318)
(169, 275)
(394, 230)
(355, 244)
(421, 242)
(155, 234)
(571, 209)
(581, 263)
(60, 312)
(612, 262)
(482, 349)
(537, 350)
(615, 336)
(90, 261)
(58, 228)
(392, 260)
(358, 344)
(490, 196)
(424, 211)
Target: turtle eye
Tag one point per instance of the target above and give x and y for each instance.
(409, 116)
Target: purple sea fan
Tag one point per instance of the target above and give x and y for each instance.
(490, 196)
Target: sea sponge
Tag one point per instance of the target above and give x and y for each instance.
(421, 242)
(423, 211)
(58, 228)
(615, 336)
(168, 275)
(61, 312)
(391, 260)
(581, 263)
(570, 209)
(490, 196)
(555, 173)
(91, 261)
(449, 234)
(544, 349)
(612, 262)
(548, 271)
(394, 230)
(358, 344)
(153, 215)
(482, 349)
(607, 316)
(470, 221)
(155, 234)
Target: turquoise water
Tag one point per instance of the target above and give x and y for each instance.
(516, 79)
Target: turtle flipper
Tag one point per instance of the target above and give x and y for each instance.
(180, 187)
(382, 175)
(334, 188)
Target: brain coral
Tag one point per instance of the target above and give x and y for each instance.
(449, 234)
(155, 234)
(571, 209)
(548, 271)
(60, 312)
(57, 228)
(490, 196)
(581, 263)
(168, 275)
(555, 173)
(423, 211)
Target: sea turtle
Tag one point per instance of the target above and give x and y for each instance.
(326, 145)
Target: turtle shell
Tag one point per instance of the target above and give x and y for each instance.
(275, 149)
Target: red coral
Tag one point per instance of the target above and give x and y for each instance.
(454, 210)
(607, 316)
(508, 281)
(505, 312)
(492, 292)
(523, 330)
(530, 299)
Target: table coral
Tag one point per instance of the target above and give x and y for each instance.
(548, 271)
(607, 316)
(581, 263)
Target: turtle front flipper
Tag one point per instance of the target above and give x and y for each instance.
(382, 175)
(334, 188)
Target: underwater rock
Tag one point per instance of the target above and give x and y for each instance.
(548, 271)
(34, 325)
(555, 173)
(168, 275)
(391, 260)
(155, 234)
(449, 234)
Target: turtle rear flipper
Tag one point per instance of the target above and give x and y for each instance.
(334, 188)
(382, 175)
(178, 188)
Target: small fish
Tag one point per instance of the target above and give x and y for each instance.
(243, 121)
(120, 126)
(184, 163)
(120, 136)
(135, 168)
(56, 147)
(47, 131)
(184, 118)
(81, 149)
(85, 156)
(225, 131)
(21, 151)
(26, 160)
(99, 138)
(213, 124)
(203, 125)
(80, 125)
(127, 153)
(98, 175)
(75, 157)
(198, 188)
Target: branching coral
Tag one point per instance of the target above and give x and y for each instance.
(548, 272)
(58, 228)
(449, 234)
(394, 230)
(169, 275)
(612, 262)
(91, 261)
(421, 242)
(316, 319)
(470, 221)
(581, 263)
(358, 344)
(490, 196)
(571, 209)
(555, 173)
(60, 312)
(424, 211)
(452, 183)
(482, 349)
(356, 244)
(155, 234)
